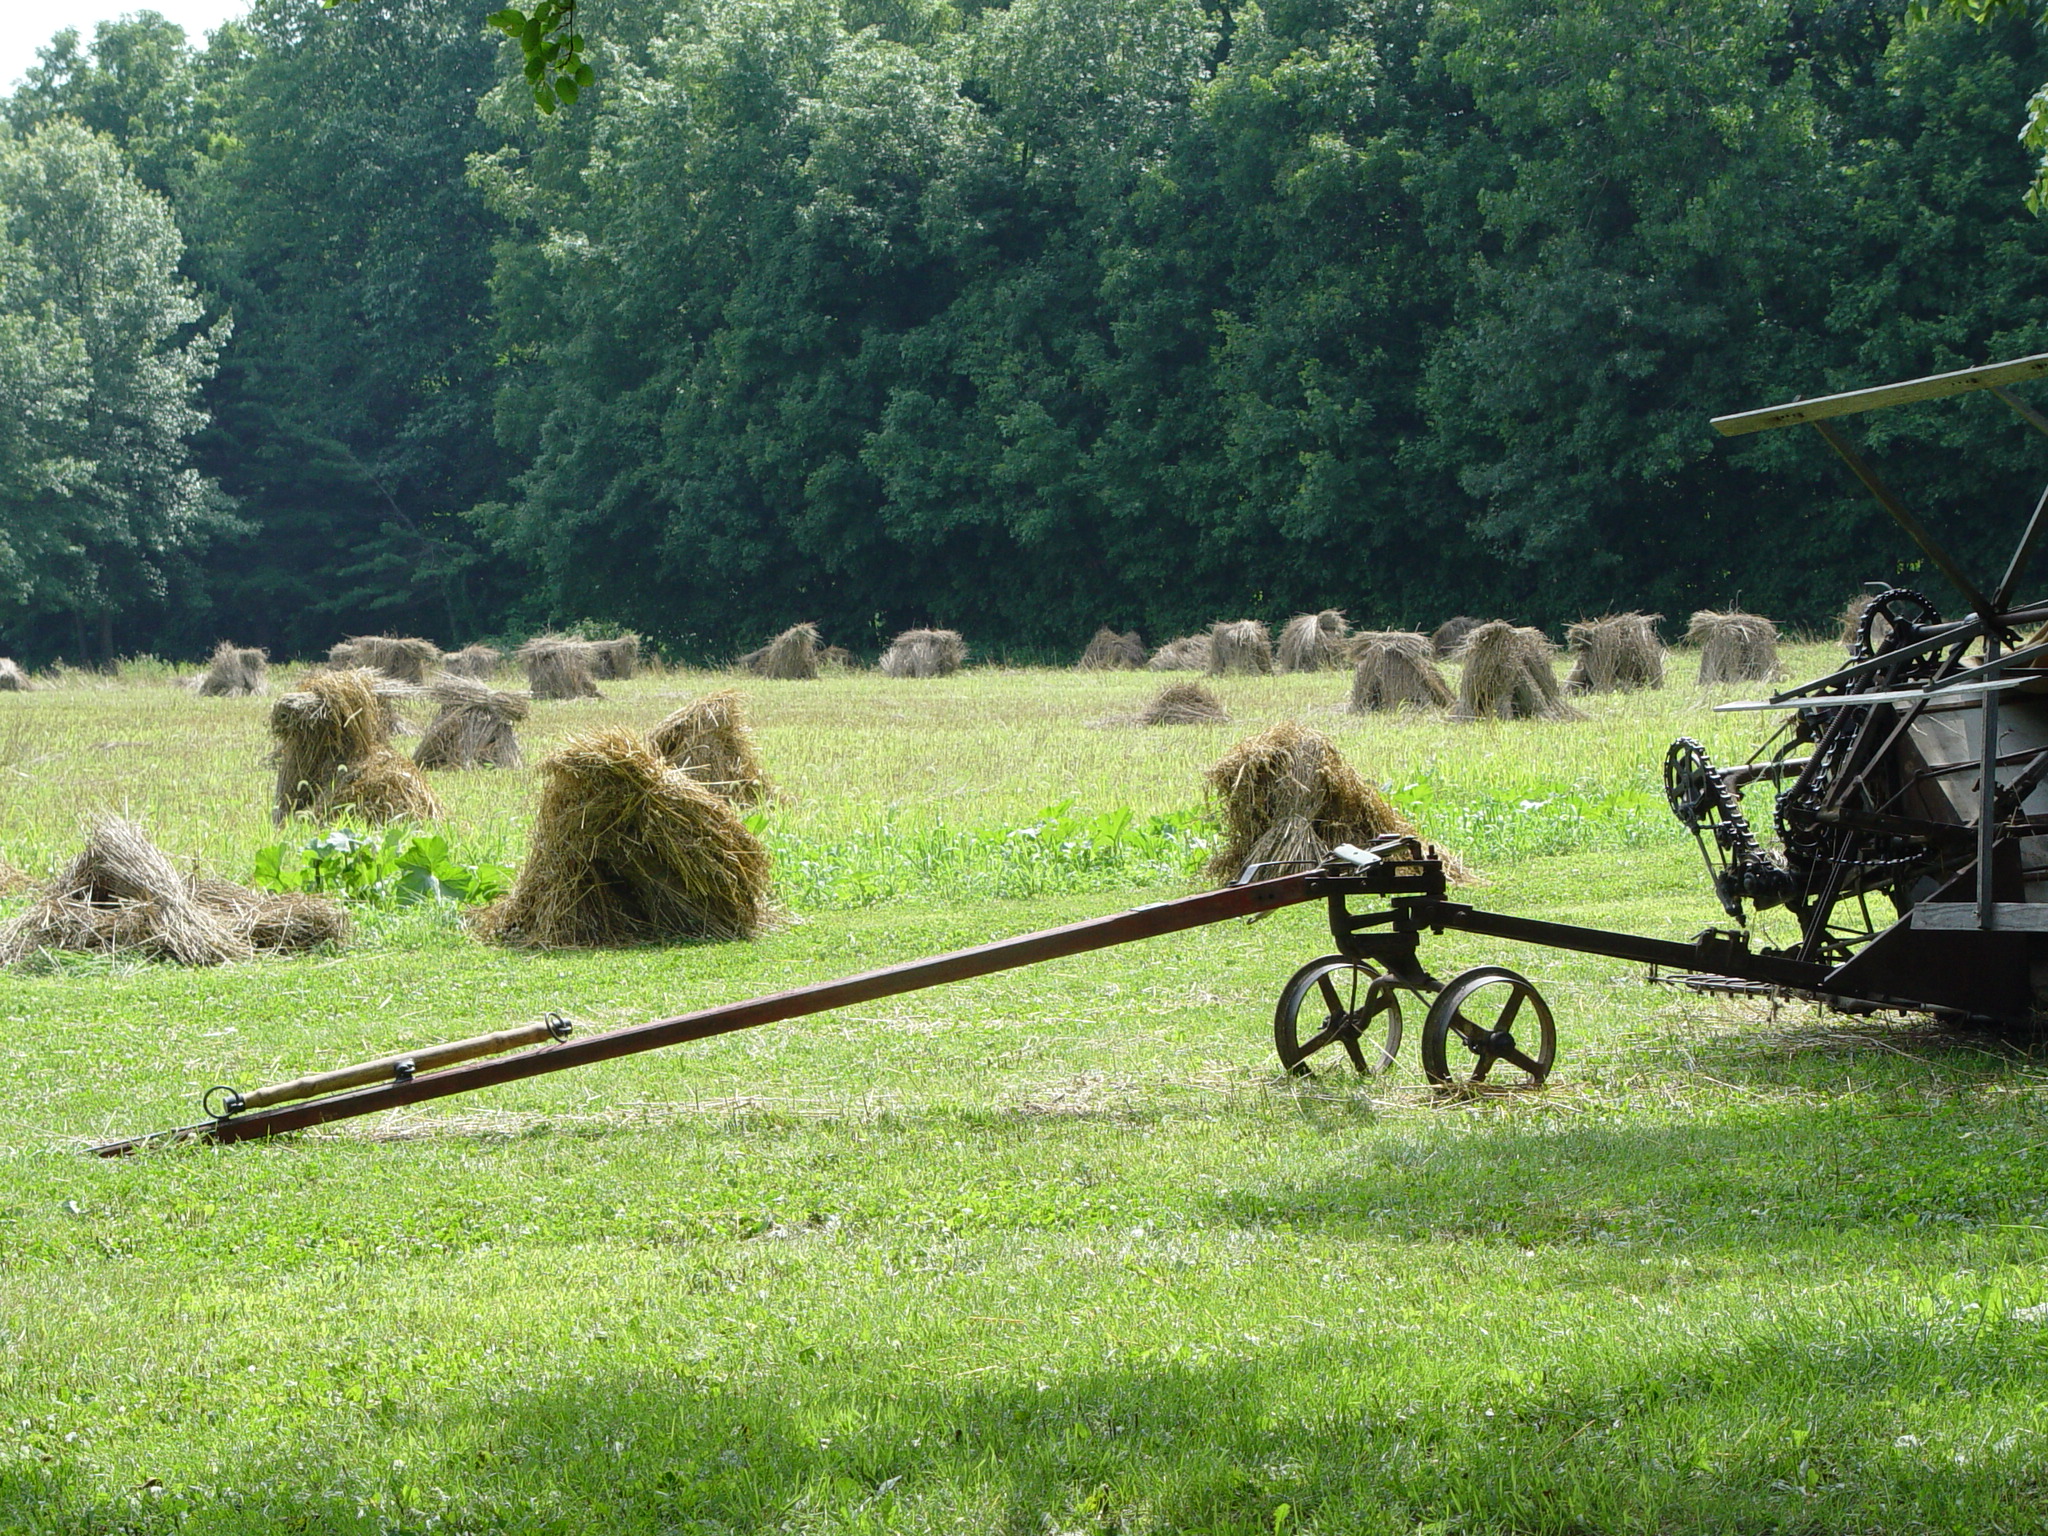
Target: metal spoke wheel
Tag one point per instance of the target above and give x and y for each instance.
(1490, 1026)
(1335, 1001)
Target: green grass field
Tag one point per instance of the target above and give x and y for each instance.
(1055, 1251)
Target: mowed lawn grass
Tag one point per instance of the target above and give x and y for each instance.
(1057, 1250)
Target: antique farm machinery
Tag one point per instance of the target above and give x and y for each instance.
(1911, 851)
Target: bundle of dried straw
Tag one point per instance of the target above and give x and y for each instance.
(626, 850)
(122, 895)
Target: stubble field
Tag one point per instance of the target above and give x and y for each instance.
(1059, 1250)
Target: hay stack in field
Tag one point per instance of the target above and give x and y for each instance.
(122, 895)
(333, 736)
(474, 727)
(1509, 675)
(1618, 654)
(791, 656)
(1449, 637)
(12, 678)
(234, 672)
(838, 656)
(1287, 795)
(1735, 647)
(1112, 652)
(558, 667)
(1314, 642)
(406, 658)
(1396, 668)
(1183, 704)
(629, 851)
(474, 661)
(1190, 653)
(1240, 646)
(615, 660)
(711, 741)
(924, 653)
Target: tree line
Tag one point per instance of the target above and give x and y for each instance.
(1016, 319)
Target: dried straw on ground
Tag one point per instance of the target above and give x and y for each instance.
(1314, 642)
(1287, 796)
(333, 736)
(1396, 669)
(1734, 647)
(1112, 652)
(613, 660)
(122, 895)
(626, 850)
(791, 656)
(1621, 653)
(559, 667)
(1240, 646)
(924, 653)
(409, 659)
(475, 661)
(474, 727)
(12, 678)
(12, 880)
(1450, 635)
(837, 656)
(235, 672)
(1509, 675)
(711, 741)
(1183, 704)
(1190, 653)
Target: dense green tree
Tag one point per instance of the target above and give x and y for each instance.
(352, 412)
(103, 513)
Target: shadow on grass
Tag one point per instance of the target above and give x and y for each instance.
(1731, 1171)
(1792, 1426)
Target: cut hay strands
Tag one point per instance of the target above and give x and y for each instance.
(1396, 669)
(1509, 675)
(1190, 653)
(122, 896)
(838, 656)
(234, 672)
(12, 678)
(791, 656)
(1109, 651)
(333, 750)
(406, 658)
(1734, 647)
(474, 727)
(1287, 797)
(558, 667)
(1620, 653)
(1449, 636)
(924, 653)
(1183, 704)
(1240, 646)
(1314, 642)
(626, 850)
(615, 660)
(473, 661)
(710, 740)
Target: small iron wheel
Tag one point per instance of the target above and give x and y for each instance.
(1337, 1001)
(1488, 1016)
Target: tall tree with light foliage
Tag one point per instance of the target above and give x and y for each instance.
(101, 511)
